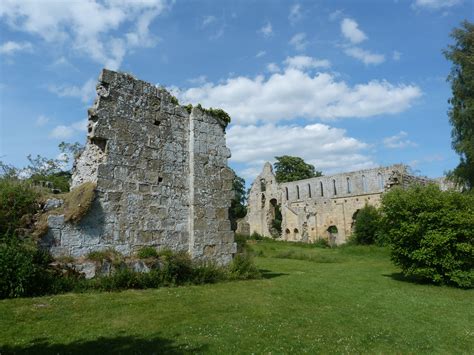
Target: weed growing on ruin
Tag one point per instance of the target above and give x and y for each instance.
(217, 113)
(147, 252)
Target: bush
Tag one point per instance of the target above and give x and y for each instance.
(321, 243)
(243, 268)
(17, 198)
(431, 234)
(367, 226)
(23, 270)
(147, 252)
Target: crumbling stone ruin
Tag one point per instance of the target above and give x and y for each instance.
(161, 177)
(322, 207)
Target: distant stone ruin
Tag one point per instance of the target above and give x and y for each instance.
(161, 175)
(321, 207)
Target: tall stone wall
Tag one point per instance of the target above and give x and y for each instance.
(161, 174)
(322, 207)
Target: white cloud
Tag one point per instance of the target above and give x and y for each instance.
(199, 80)
(266, 30)
(396, 56)
(260, 54)
(85, 92)
(42, 120)
(64, 132)
(398, 141)
(350, 30)
(296, 93)
(327, 148)
(295, 14)
(89, 26)
(207, 20)
(10, 47)
(273, 68)
(365, 56)
(299, 42)
(336, 15)
(303, 62)
(435, 4)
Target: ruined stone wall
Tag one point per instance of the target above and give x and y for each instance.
(161, 174)
(322, 207)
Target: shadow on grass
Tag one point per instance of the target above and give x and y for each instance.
(267, 274)
(117, 345)
(398, 276)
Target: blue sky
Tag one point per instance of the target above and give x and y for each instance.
(343, 84)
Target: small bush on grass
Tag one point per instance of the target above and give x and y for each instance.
(431, 234)
(147, 252)
(321, 243)
(17, 199)
(367, 226)
(243, 268)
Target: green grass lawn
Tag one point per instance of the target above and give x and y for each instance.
(349, 299)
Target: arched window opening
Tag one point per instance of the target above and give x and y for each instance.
(364, 183)
(321, 188)
(263, 186)
(286, 193)
(309, 190)
(334, 187)
(297, 192)
(380, 180)
(349, 187)
(263, 200)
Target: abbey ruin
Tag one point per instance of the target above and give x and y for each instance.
(161, 177)
(321, 207)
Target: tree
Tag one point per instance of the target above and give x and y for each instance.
(288, 168)
(367, 225)
(237, 209)
(461, 113)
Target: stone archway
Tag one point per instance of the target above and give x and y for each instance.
(333, 233)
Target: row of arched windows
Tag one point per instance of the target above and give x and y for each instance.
(380, 181)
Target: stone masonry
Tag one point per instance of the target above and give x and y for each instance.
(321, 207)
(161, 174)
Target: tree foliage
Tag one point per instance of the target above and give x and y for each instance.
(367, 225)
(237, 209)
(461, 112)
(431, 233)
(288, 168)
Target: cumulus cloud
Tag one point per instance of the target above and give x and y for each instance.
(11, 47)
(297, 93)
(303, 62)
(42, 120)
(273, 68)
(295, 14)
(299, 42)
(365, 56)
(327, 148)
(435, 4)
(64, 132)
(266, 30)
(398, 141)
(350, 30)
(85, 92)
(90, 26)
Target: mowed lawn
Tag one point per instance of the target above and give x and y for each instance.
(339, 300)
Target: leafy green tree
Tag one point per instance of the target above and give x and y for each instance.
(461, 113)
(237, 209)
(367, 225)
(288, 168)
(431, 233)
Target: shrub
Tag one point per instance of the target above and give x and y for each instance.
(177, 268)
(367, 225)
(17, 198)
(147, 252)
(431, 234)
(23, 270)
(321, 243)
(243, 268)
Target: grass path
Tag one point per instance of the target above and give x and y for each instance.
(342, 300)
